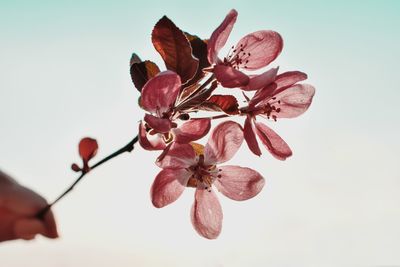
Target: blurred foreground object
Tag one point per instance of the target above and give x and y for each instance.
(18, 207)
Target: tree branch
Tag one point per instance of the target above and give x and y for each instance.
(127, 148)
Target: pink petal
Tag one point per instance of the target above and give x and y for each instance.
(273, 142)
(160, 92)
(282, 82)
(220, 36)
(250, 137)
(230, 77)
(239, 183)
(259, 49)
(259, 81)
(192, 130)
(150, 142)
(224, 142)
(158, 124)
(206, 214)
(292, 101)
(178, 156)
(168, 186)
(289, 78)
(263, 95)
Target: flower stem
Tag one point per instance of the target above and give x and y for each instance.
(213, 117)
(197, 90)
(127, 148)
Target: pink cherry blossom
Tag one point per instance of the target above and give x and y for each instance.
(282, 99)
(183, 167)
(254, 51)
(159, 128)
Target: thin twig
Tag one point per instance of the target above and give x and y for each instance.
(127, 148)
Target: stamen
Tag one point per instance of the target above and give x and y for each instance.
(168, 137)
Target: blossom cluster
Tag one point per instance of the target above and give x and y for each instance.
(174, 98)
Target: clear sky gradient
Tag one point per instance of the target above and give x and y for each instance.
(64, 74)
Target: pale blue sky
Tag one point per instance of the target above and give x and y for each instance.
(64, 74)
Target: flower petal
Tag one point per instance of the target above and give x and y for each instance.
(258, 49)
(239, 183)
(178, 156)
(158, 124)
(224, 142)
(155, 142)
(168, 186)
(289, 78)
(160, 92)
(230, 77)
(250, 136)
(281, 82)
(206, 214)
(263, 95)
(192, 130)
(292, 101)
(259, 81)
(220, 36)
(273, 142)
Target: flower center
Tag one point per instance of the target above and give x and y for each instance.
(167, 137)
(269, 109)
(237, 57)
(203, 175)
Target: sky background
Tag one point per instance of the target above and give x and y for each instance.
(64, 74)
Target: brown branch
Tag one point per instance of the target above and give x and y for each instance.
(127, 148)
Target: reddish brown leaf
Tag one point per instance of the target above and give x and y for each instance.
(174, 48)
(199, 50)
(195, 99)
(87, 148)
(142, 72)
(187, 91)
(75, 167)
(225, 103)
(134, 59)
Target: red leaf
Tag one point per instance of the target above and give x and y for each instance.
(87, 149)
(174, 48)
(134, 59)
(75, 167)
(199, 50)
(225, 103)
(141, 72)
